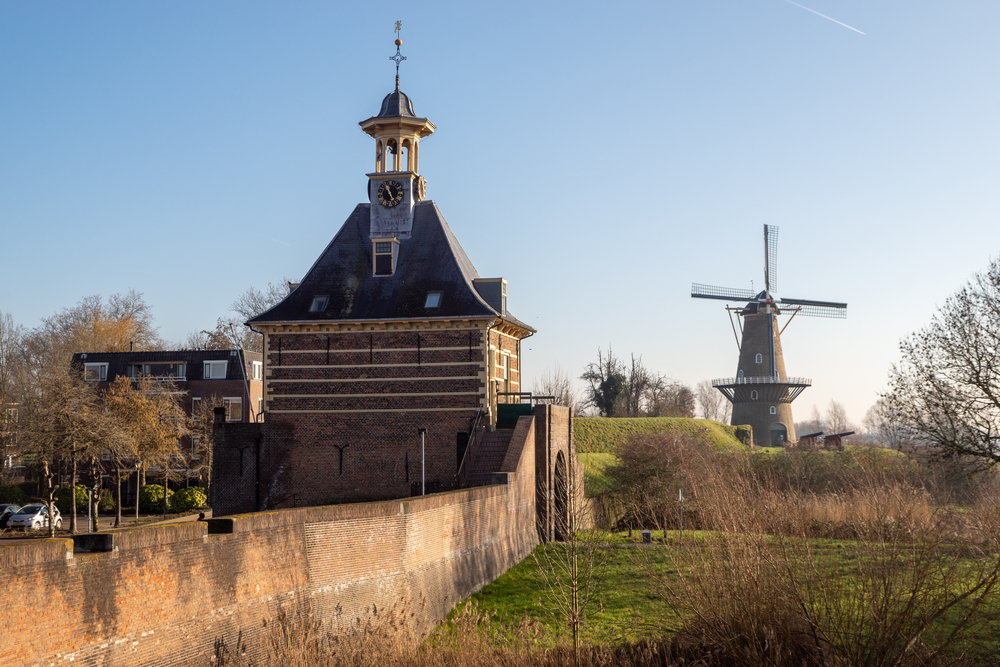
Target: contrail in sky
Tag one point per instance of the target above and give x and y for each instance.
(283, 243)
(824, 16)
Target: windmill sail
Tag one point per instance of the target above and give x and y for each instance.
(771, 258)
(700, 291)
(817, 308)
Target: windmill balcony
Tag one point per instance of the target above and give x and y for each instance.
(763, 389)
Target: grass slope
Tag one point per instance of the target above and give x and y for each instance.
(603, 435)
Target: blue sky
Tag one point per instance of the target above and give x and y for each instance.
(600, 156)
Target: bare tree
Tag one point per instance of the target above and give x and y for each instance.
(711, 403)
(836, 418)
(607, 382)
(572, 569)
(882, 429)
(10, 336)
(230, 332)
(555, 381)
(945, 391)
(124, 322)
(65, 419)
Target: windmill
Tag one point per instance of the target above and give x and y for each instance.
(761, 392)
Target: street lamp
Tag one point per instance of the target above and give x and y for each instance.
(423, 469)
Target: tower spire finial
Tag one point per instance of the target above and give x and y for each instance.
(398, 58)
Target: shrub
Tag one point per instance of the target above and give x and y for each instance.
(106, 503)
(12, 493)
(63, 499)
(187, 499)
(151, 498)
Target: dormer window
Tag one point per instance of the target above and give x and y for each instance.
(95, 372)
(384, 256)
(433, 300)
(318, 304)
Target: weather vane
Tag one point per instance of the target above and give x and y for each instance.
(398, 58)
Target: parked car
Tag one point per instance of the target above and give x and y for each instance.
(6, 511)
(34, 517)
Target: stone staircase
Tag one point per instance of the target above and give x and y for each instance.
(489, 456)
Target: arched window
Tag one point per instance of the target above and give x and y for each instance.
(739, 375)
(760, 358)
(774, 410)
(753, 395)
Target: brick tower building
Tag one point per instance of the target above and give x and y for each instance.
(390, 331)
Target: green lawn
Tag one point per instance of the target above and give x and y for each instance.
(595, 479)
(624, 607)
(628, 604)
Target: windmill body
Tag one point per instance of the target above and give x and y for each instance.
(762, 392)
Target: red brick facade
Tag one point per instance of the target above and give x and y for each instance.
(172, 594)
(353, 397)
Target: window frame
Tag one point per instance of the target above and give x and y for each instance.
(437, 303)
(102, 371)
(319, 303)
(207, 375)
(760, 358)
(195, 402)
(774, 410)
(393, 253)
(257, 370)
(753, 394)
(227, 403)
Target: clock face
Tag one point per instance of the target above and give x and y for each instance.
(390, 193)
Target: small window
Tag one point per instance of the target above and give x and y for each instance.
(433, 300)
(181, 372)
(385, 256)
(234, 409)
(258, 370)
(195, 405)
(95, 372)
(774, 410)
(753, 395)
(318, 304)
(760, 358)
(739, 375)
(196, 448)
(215, 370)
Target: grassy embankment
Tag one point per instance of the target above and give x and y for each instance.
(597, 439)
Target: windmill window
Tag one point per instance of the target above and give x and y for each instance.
(319, 304)
(740, 375)
(760, 358)
(753, 395)
(774, 410)
(433, 300)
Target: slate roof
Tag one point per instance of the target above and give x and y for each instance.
(396, 104)
(118, 362)
(431, 260)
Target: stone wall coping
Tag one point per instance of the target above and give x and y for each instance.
(20, 553)
(269, 519)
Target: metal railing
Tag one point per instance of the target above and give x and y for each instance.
(468, 446)
(725, 382)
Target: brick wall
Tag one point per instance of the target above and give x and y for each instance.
(168, 595)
